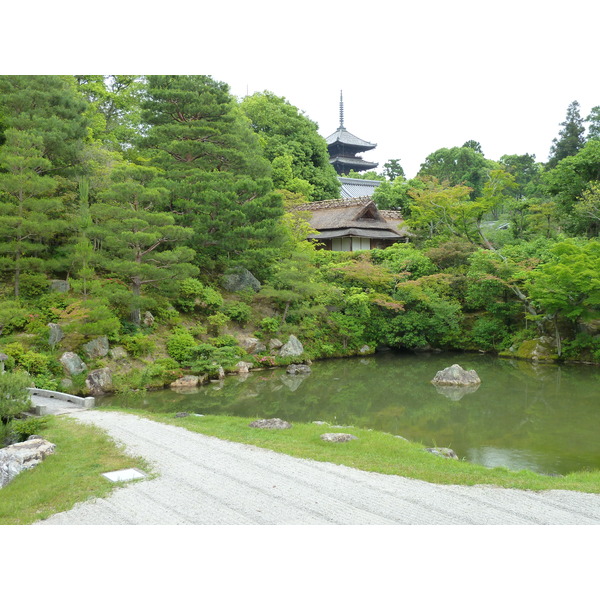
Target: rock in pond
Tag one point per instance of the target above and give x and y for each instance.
(338, 437)
(298, 370)
(186, 381)
(270, 424)
(443, 452)
(456, 375)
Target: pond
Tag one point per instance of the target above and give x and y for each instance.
(545, 418)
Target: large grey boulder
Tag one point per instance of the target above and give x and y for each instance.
(56, 334)
(187, 381)
(24, 455)
(60, 285)
(275, 344)
(292, 348)
(243, 367)
(97, 348)
(456, 375)
(118, 353)
(99, 381)
(72, 364)
(239, 280)
(251, 345)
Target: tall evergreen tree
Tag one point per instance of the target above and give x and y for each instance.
(29, 215)
(50, 107)
(594, 124)
(139, 244)
(571, 137)
(213, 164)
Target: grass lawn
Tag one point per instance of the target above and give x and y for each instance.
(375, 451)
(72, 474)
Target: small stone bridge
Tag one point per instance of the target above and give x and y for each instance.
(50, 402)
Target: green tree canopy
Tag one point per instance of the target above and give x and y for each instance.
(570, 138)
(285, 131)
(458, 166)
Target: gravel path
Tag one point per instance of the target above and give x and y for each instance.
(207, 481)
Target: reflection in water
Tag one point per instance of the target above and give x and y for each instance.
(541, 417)
(455, 392)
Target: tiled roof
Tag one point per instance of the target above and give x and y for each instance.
(352, 161)
(343, 136)
(355, 188)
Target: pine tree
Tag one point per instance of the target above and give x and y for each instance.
(29, 216)
(213, 164)
(571, 137)
(139, 244)
(47, 106)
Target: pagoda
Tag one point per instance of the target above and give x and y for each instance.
(344, 146)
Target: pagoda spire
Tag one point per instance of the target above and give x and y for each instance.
(341, 110)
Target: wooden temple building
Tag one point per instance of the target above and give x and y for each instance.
(344, 146)
(353, 224)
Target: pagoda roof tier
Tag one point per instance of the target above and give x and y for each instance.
(353, 162)
(343, 137)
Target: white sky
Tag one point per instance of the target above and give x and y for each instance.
(416, 76)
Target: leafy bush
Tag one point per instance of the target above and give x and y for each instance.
(222, 341)
(269, 325)
(32, 285)
(217, 321)
(490, 334)
(180, 344)
(206, 359)
(23, 428)
(238, 311)
(194, 295)
(138, 344)
(161, 372)
(584, 346)
(35, 363)
(14, 397)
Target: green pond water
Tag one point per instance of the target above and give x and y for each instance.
(545, 418)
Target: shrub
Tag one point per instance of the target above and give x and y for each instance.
(194, 295)
(269, 325)
(490, 334)
(14, 397)
(180, 344)
(138, 344)
(238, 311)
(35, 363)
(205, 358)
(222, 341)
(32, 285)
(217, 321)
(23, 428)
(161, 372)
